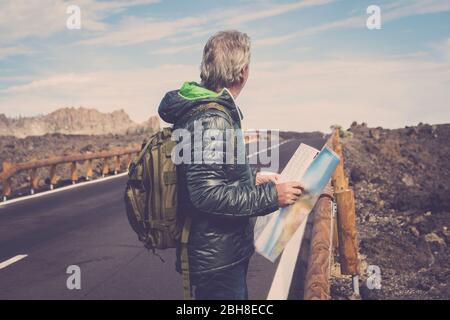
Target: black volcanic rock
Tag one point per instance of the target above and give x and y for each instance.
(401, 182)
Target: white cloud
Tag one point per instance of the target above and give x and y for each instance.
(138, 91)
(308, 95)
(133, 30)
(272, 10)
(139, 30)
(406, 8)
(390, 92)
(6, 52)
(177, 49)
(58, 82)
(21, 18)
(340, 24)
(389, 12)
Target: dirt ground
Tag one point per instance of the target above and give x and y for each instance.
(402, 189)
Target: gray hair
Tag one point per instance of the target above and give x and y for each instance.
(225, 55)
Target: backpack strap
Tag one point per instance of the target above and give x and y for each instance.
(203, 107)
(187, 291)
(132, 165)
(185, 258)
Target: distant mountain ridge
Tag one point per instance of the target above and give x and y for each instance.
(75, 121)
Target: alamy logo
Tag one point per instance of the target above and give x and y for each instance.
(374, 20)
(374, 277)
(74, 280)
(213, 146)
(73, 22)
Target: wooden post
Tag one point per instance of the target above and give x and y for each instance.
(53, 177)
(317, 282)
(339, 180)
(346, 217)
(73, 172)
(6, 181)
(348, 247)
(332, 143)
(89, 172)
(105, 169)
(116, 164)
(34, 180)
(129, 158)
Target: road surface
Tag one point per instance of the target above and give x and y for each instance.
(87, 226)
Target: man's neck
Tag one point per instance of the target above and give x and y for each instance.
(234, 90)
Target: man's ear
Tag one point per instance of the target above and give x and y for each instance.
(243, 75)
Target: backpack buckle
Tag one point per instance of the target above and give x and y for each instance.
(131, 169)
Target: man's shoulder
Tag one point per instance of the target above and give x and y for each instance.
(213, 113)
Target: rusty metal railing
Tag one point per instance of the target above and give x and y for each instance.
(10, 169)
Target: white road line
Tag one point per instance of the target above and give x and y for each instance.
(12, 260)
(72, 186)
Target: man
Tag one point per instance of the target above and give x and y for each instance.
(220, 198)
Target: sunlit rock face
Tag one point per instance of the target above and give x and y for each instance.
(75, 121)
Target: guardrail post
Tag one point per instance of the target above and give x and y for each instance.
(116, 164)
(73, 172)
(89, 171)
(34, 180)
(348, 248)
(105, 169)
(53, 177)
(340, 182)
(6, 181)
(346, 218)
(317, 280)
(129, 158)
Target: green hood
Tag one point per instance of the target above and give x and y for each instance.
(177, 103)
(193, 91)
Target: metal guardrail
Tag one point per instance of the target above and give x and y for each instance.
(10, 169)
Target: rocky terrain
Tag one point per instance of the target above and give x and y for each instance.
(67, 131)
(401, 182)
(80, 120)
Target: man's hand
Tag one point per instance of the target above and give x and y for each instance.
(288, 193)
(265, 176)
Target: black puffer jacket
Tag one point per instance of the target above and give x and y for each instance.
(220, 198)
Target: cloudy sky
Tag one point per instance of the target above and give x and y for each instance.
(314, 62)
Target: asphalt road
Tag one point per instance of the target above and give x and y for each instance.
(87, 226)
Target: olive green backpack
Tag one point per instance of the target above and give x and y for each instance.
(151, 195)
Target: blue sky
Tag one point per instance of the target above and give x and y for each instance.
(314, 62)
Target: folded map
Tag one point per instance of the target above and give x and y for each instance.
(313, 169)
